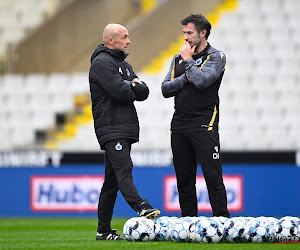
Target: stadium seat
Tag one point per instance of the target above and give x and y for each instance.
(19, 17)
(85, 140)
(259, 94)
(35, 84)
(5, 137)
(42, 118)
(79, 83)
(57, 83)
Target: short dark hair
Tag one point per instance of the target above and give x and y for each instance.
(201, 23)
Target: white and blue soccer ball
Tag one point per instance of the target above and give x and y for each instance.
(242, 219)
(261, 218)
(220, 219)
(200, 217)
(297, 219)
(234, 230)
(180, 232)
(210, 231)
(248, 218)
(194, 230)
(127, 228)
(287, 229)
(206, 230)
(139, 229)
(259, 231)
(273, 222)
(163, 227)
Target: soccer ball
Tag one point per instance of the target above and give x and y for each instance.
(180, 232)
(247, 219)
(243, 220)
(234, 230)
(259, 231)
(194, 230)
(210, 231)
(287, 229)
(139, 229)
(127, 228)
(200, 217)
(220, 219)
(273, 222)
(163, 227)
(297, 219)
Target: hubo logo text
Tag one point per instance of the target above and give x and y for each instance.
(65, 193)
(234, 189)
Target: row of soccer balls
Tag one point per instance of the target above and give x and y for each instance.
(213, 229)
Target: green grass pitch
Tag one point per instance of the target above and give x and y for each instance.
(80, 233)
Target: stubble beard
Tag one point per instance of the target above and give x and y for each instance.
(198, 44)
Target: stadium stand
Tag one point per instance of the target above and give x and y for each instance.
(19, 18)
(268, 74)
(260, 92)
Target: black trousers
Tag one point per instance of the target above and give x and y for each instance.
(118, 176)
(186, 147)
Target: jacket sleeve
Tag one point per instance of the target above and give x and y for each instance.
(171, 86)
(210, 70)
(107, 75)
(141, 91)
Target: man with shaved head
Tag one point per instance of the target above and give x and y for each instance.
(114, 88)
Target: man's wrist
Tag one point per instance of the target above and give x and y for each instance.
(188, 63)
(188, 59)
(133, 84)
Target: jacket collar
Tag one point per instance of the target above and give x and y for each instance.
(116, 53)
(203, 52)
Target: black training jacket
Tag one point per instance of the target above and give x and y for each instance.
(196, 99)
(113, 96)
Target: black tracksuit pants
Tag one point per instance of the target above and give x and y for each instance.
(186, 147)
(118, 176)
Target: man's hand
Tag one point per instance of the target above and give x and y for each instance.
(137, 80)
(186, 51)
(187, 77)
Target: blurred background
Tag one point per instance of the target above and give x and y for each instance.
(49, 154)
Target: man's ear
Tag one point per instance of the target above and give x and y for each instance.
(203, 33)
(110, 41)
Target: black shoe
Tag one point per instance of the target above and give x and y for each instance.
(147, 211)
(112, 235)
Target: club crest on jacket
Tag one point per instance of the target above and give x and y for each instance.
(118, 146)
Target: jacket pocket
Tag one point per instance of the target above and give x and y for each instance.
(125, 114)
